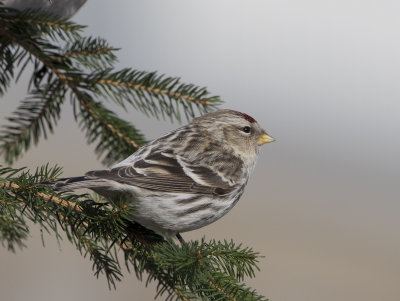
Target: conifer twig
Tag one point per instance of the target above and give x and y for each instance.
(150, 89)
(148, 92)
(47, 197)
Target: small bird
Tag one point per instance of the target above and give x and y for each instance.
(187, 178)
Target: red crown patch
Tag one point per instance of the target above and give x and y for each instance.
(248, 118)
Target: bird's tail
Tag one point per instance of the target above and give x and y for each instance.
(69, 184)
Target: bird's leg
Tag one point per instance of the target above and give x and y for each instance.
(180, 238)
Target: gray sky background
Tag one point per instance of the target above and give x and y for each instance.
(320, 76)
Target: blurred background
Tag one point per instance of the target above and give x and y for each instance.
(322, 77)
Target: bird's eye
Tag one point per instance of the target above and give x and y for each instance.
(246, 129)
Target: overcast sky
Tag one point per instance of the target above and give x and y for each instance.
(322, 77)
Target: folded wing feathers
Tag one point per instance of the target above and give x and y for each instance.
(159, 171)
(165, 172)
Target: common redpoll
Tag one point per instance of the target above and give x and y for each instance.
(186, 179)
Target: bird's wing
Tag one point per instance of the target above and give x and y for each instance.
(167, 172)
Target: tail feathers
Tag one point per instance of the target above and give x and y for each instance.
(68, 184)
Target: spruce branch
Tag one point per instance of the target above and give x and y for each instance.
(38, 22)
(91, 53)
(98, 230)
(154, 94)
(72, 213)
(13, 231)
(99, 122)
(36, 116)
(84, 69)
(116, 137)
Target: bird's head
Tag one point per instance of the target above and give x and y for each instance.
(238, 130)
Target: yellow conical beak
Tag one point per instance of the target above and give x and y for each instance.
(264, 138)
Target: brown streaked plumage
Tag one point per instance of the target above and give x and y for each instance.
(187, 178)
